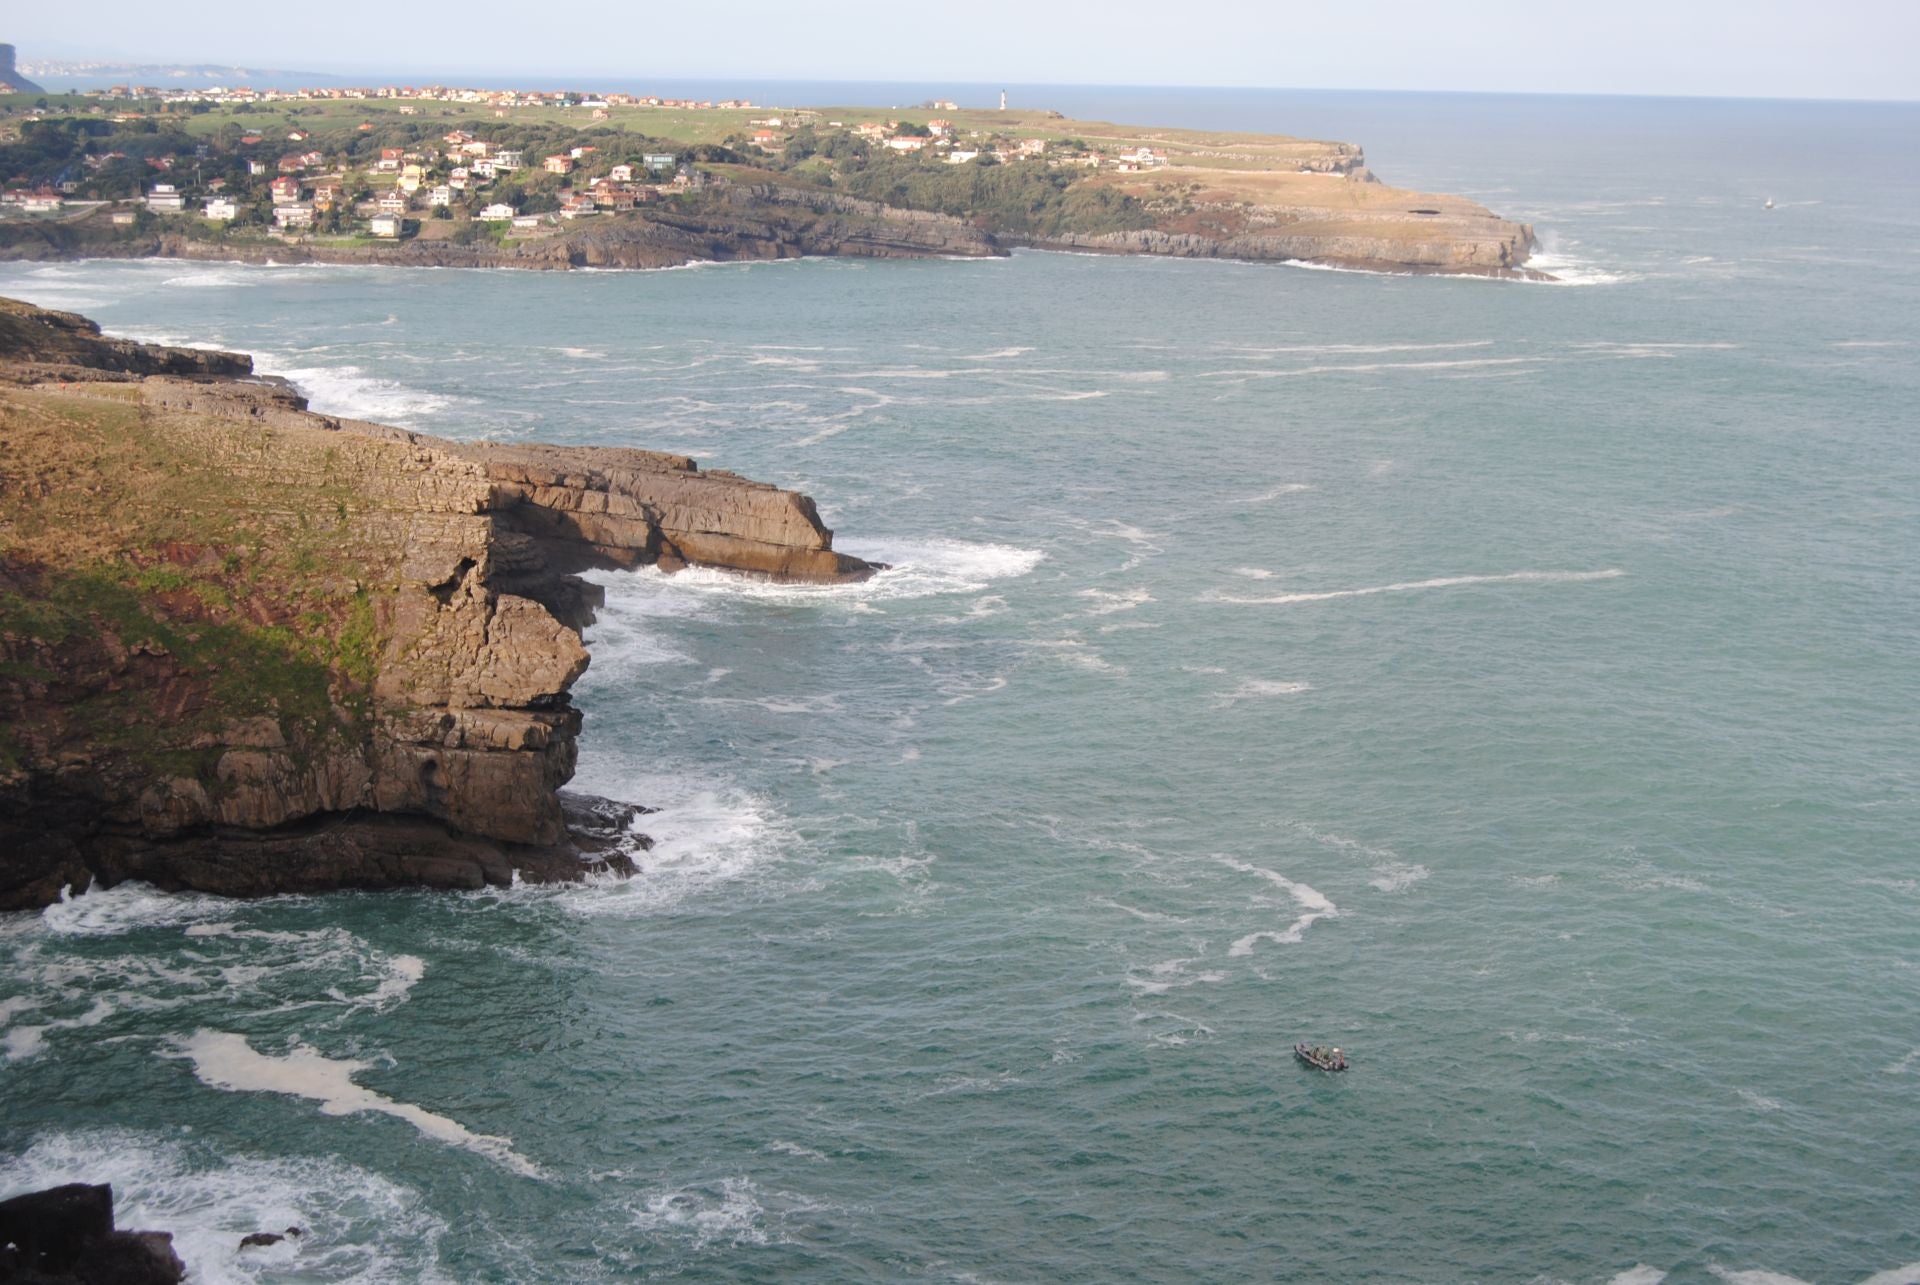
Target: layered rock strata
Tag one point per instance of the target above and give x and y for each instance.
(245, 648)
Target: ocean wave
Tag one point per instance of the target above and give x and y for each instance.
(128, 907)
(916, 569)
(1408, 586)
(1257, 689)
(730, 1212)
(350, 392)
(226, 1061)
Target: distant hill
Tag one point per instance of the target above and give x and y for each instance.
(64, 77)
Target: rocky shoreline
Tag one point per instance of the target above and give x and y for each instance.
(248, 649)
(750, 222)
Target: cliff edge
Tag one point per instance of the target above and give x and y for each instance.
(248, 649)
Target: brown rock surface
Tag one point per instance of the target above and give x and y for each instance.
(247, 649)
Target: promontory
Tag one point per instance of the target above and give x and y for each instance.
(445, 178)
(248, 649)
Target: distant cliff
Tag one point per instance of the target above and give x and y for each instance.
(1368, 227)
(249, 649)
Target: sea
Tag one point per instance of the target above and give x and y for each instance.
(1516, 685)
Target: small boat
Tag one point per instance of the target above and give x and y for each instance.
(1768, 205)
(1321, 1059)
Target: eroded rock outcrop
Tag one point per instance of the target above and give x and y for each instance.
(245, 648)
(65, 1236)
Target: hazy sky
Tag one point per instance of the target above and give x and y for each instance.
(1774, 48)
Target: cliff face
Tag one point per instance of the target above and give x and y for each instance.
(245, 648)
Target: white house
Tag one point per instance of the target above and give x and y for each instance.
(442, 195)
(387, 225)
(526, 221)
(41, 202)
(221, 209)
(506, 161)
(292, 216)
(164, 196)
(621, 173)
(498, 210)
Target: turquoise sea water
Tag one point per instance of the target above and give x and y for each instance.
(1513, 684)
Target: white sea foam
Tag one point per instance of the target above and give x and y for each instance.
(1638, 1274)
(1075, 652)
(1275, 492)
(1106, 601)
(1408, 586)
(1259, 689)
(1571, 270)
(226, 1061)
(1313, 907)
(108, 912)
(1753, 1276)
(730, 1212)
(794, 1149)
(1171, 975)
(1908, 1275)
(1251, 573)
(351, 392)
(1760, 1102)
(916, 569)
(1373, 367)
(355, 1225)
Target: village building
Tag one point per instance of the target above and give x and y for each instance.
(577, 206)
(505, 162)
(525, 221)
(221, 209)
(907, 143)
(441, 195)
(411, 178)
(559, 164)
(292, 216)
(498, 210)
(621, 173)
(41, 202)
(165, 196)
(285, 191)
(384, 225)
(391, 159)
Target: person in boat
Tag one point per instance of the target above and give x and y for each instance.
(1339, 1059)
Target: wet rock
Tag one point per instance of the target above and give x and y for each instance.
(65, 1236)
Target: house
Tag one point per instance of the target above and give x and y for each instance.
(256, 167)
(609, 195)
(442, 195)
(659, 161)
(412, 178)
(907, 143)
(327, 193)
(1033, 146)
(393, 203)
(387, 225)
(298, 136)
(959, 156)
(939, 128)
(221, 209)
(945, 105)
(390, 160)
(498, 210)
(290, 164)
(41, 202)
(621, 173)
(601, 113)
(505, 162)
(525, 221)
(313, 159)
(558, 164)
(582, 153)
(476, 147)
(577, 206)
(292, 216)
(765, 139)
(286, 191)
(165, 196)
(122, 218)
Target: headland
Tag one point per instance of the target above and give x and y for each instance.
(249, 649)
(452, 177)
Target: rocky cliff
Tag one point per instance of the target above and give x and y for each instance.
(245, 648)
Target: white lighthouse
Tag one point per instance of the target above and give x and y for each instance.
(1003, 100)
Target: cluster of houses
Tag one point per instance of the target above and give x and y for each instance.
(424, 179)
(497, 98)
